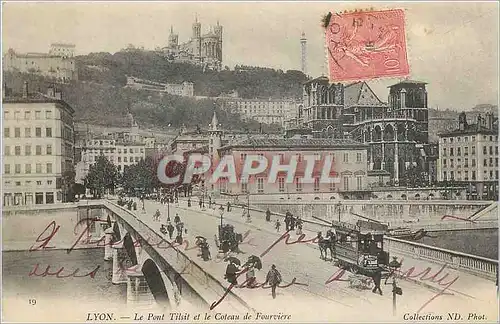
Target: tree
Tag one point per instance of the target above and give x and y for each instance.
(140, 176)
(102, 176)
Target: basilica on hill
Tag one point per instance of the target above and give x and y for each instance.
(201, 49)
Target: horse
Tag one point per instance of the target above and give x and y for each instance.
(326, 244)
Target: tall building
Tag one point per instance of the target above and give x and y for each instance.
(38, 139)
(303, 52)
(468, 156)
(204, 49)
(58, 64)
(396, 132)
(266, 111)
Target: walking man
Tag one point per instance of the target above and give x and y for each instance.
(170, 230)
(278, 225)
(377, 278)
(228, 206)
(273, 279)
(268, 215)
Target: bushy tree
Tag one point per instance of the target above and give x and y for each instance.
(102, 176)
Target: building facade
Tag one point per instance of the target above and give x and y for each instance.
(203, 49)
(185, 89)
(349, 166)
(38, 139)
(469, 156)
(58, 64)
(266, 111)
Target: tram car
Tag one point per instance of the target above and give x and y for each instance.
(228, 239)
(361, 250)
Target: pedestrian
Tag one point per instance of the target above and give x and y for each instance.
(177, 219)
(200, 203)
(287, 223)
(299, 226)
(189, 202)
(292, 223)
(377, 278)
(277, 226)
(228, 206)
(268, 215)
(231, 272)
(273, 279)
(170, 230)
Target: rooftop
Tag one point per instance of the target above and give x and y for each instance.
(471, 129)
(297, 143)
(36, 98)
(407, 82)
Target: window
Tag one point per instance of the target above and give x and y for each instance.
(451, 163)
(358, 157)
(466, 176)
(452, 175)
(332, 185)
(136, 159)
(18, 150)
(459, 151)
(459, 175)
(27, 168)
(491, 150)
(38, 168)
(6, 169)
(39, 183)
(466, 151)
(119, 159)
(6, 132)
(473, 175)
(260, 185)
(244, 187)
(49, 197)
(485, 150)
(124, 159)
(281, 184)
(27, 115)
(38, 150)
(48, 114)
(27, 132)
(473, 162)
(496, 150)
(473, 138)
(49, 167)
(49, 149)
(38, 114)
(444, 162)
(496, 162)
(496, 174)
(485, 162)
(125, 151)
(473, 152)
(444, 176)
(346, 183)
(451, 151)
(359, 183)
(491, 162)
(17, 168)
(466, 162)
(444, 151)
(6, 151)
(298, 184)
(38, 132)
(346, 157)
(316, 184)
(39, 198)
(48, 132)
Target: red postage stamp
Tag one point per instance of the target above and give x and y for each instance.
(366, 45)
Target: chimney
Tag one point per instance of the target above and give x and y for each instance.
(25, 90)
(489, 120)
(462, 121)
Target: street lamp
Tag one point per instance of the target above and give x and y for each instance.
(221, 210)
(248, 204)
(339, 205)
(168, 208)
(394, 265)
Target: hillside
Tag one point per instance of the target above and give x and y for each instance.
(108, 105)
(249, 82)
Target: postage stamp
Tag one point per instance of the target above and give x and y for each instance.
(367, 45)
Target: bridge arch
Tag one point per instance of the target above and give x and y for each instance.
(155, 283)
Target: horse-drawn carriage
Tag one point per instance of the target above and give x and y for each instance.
(228, 239)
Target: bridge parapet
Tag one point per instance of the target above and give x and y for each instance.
(483, 267)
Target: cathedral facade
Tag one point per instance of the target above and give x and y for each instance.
(396, 131)
(202, 49)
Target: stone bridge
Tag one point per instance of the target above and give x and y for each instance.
(150, 266)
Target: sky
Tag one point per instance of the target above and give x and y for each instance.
(451, 46)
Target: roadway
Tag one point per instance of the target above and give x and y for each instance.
(334, 301)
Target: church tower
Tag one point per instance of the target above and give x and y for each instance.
(218, 33)
(196, 40)
(173, 39)
(215, 134)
